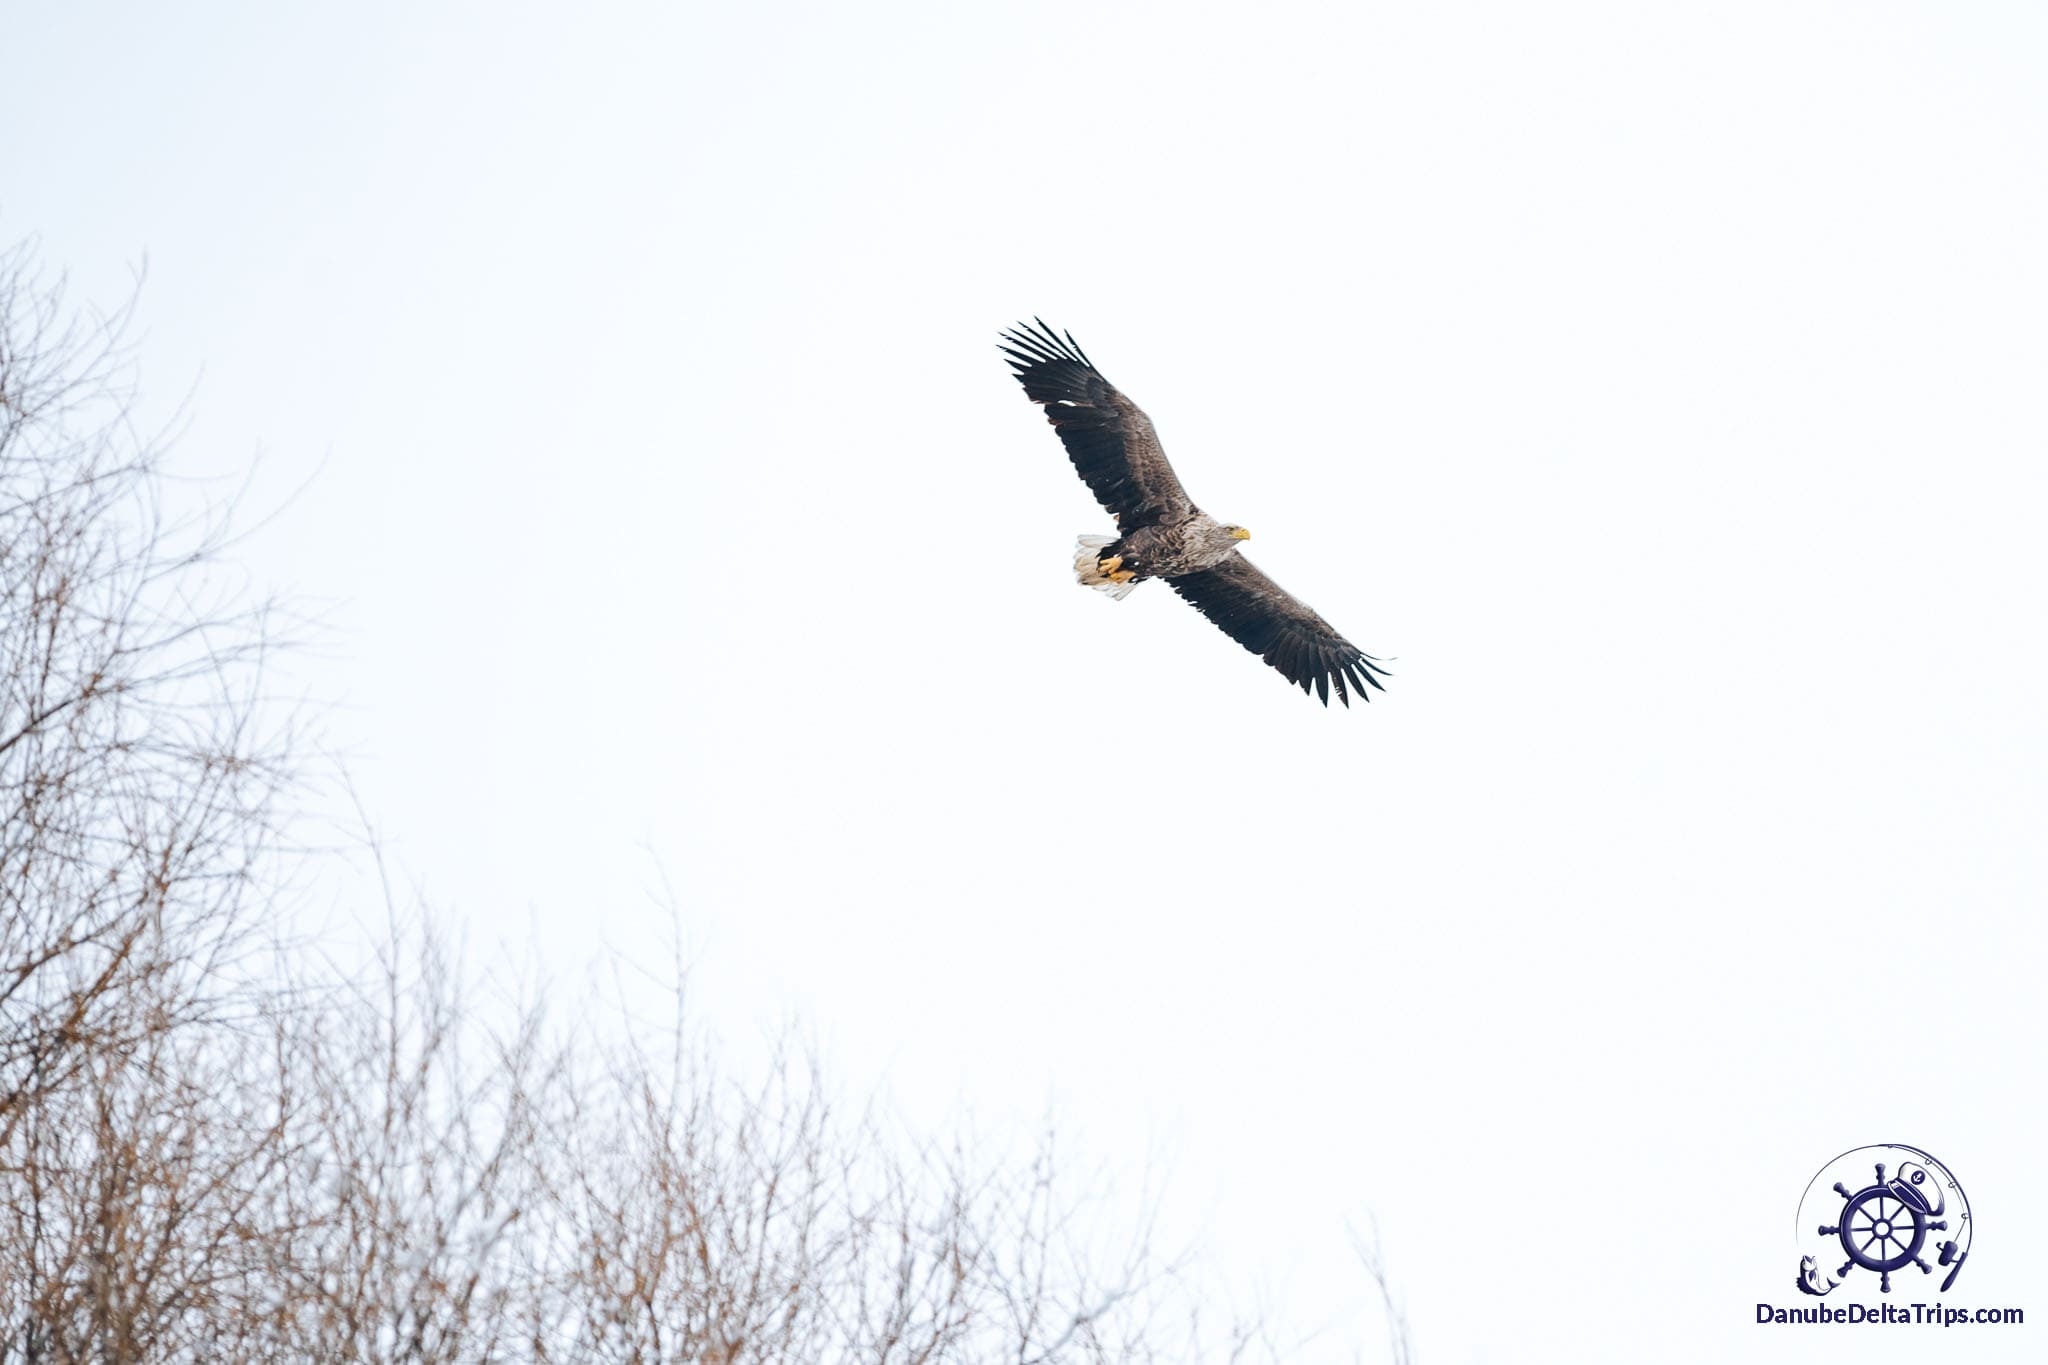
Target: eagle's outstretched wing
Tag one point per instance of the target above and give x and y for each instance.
(1280, 628)
(1110, 440)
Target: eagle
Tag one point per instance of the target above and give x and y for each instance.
(1162, 534)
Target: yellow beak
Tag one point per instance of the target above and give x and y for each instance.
(1240, 534)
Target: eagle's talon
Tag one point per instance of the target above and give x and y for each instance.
(1110, 565)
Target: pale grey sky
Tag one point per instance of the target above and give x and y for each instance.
(1659, 385)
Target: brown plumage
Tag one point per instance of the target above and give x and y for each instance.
(1162, 533)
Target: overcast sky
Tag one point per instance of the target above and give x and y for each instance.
(1659, 386)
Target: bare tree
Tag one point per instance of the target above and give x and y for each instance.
(137, 788)
(1400, 1349)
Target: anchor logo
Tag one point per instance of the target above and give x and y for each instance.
(1886, 1224)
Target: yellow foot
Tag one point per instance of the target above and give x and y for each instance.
(1110, 565)
(1122, 575)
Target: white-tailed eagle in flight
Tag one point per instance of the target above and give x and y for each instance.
(1162, 534)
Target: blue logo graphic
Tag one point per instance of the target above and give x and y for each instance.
(1888, 1207)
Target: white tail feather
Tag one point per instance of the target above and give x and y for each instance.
(1087, 558)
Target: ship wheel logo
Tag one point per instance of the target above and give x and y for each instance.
(1913, 1206)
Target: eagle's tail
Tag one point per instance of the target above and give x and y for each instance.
(1103, 575)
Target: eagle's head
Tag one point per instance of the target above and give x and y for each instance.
(1209, 543)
